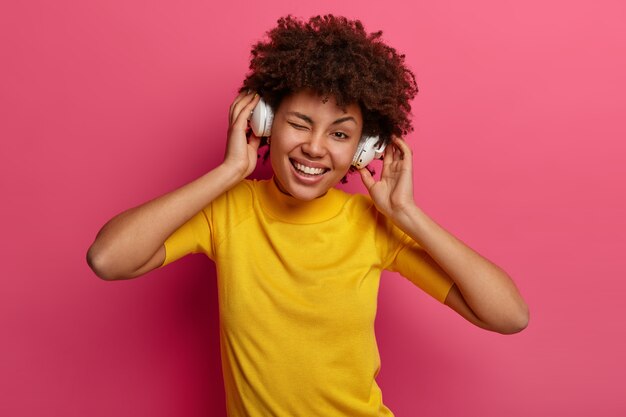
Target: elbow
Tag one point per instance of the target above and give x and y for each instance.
(98, 263)
(516, 322)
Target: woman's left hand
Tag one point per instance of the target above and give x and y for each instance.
(393, 193)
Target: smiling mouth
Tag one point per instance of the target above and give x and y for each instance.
(308, 171)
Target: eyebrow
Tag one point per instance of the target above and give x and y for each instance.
(310, 121)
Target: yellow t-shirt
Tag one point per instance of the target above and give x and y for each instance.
(297, 287)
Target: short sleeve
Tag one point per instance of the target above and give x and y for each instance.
(415, 264)
(194, 236)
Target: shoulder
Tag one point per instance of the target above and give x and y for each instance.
(362, 211)
(243, 190)
(239, 198)
(359, 200)
(360, 208)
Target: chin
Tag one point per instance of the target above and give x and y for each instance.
(303, 187)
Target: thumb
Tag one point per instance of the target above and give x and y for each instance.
(367, 178)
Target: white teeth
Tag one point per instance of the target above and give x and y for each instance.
(308, 170)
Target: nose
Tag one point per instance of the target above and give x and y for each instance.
(314, 146)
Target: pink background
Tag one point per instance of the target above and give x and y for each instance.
(519, 151)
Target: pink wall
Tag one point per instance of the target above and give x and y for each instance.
(520, 152)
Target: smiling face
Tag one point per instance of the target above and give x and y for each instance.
(313, 143)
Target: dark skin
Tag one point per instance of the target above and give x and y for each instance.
(482, 293)
(131, 244)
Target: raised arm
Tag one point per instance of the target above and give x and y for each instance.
(482, 293)
(131, 243)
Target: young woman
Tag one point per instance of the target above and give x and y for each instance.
(299, 261)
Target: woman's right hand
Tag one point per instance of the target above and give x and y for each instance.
(132, 243)
(241, 152)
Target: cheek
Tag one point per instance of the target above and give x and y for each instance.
(274, 158)
(278, 154)
(345, 156)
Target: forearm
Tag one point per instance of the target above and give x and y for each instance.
(130, 239)
(488, 291)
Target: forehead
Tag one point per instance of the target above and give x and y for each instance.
(317, 106)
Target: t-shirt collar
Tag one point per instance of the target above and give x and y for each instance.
(287, 208)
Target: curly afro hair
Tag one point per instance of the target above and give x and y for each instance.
(335, 57)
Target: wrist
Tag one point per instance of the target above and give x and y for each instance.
(234, 172)
(407, 217)
(226, 174)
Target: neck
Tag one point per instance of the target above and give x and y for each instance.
(282, 189)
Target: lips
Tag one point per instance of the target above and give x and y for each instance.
(312, 170)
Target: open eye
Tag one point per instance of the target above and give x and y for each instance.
(342, 135)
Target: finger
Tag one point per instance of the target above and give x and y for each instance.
(237, 102)
(403, 147)
(367, 178)
(232, 105)
(232, 113)
(243, 114)
(239, 105)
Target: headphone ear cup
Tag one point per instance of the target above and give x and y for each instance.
(369, 147)
(269, 119)
(262, 119)
(357, 160)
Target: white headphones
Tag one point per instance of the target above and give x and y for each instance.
(369, 148)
